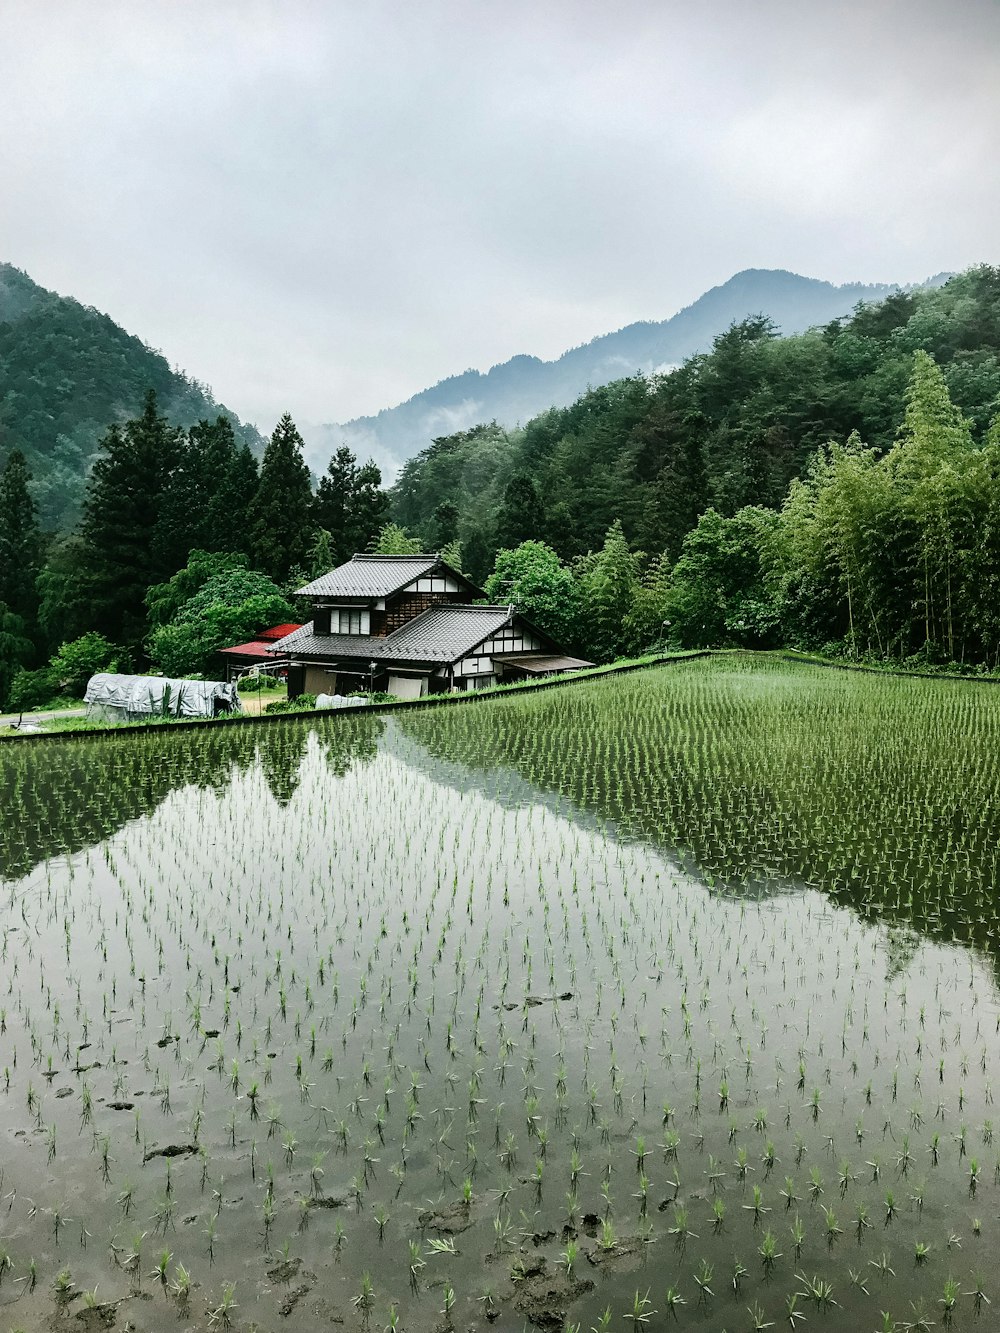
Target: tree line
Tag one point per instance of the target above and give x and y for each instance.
(871, 555)
(727, 429)
(184, 544)
(834, 490)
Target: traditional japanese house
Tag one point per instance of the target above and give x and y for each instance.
(409, 625)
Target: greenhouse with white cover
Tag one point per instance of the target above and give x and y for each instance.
(111, 697)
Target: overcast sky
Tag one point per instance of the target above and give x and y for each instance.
(326, 207)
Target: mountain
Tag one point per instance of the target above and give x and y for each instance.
(524, 386)
(66, 372)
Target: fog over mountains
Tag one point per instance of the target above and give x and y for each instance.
(67, 371)
(520, 388)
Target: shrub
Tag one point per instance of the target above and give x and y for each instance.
(301, 704)
(74, 664)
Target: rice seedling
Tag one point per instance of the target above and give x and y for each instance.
(641, 1311)
(180, 1286)
(222, 1314)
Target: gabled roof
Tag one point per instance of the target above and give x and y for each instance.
(371, 576)
(441, 634)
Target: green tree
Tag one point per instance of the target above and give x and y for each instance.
(520, 517)
(719, 594)
(75, 662)
(120, 557)
(451, 554)
(369, 509)
(350, 505)
(606, 582)
(229, 513)
(644, 624)
(15, 649)
(65, 604)
(321, 557)
(31, 689)
(230, 607)
(534, 579)
(207, 500)
(394, 540)
(834, 574)
(20, 541)
(444, 526)
(280, 525)
(164, 600)
(930, 464)
(331, 506)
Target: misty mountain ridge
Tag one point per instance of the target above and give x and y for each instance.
(516, 390)
(67, 371)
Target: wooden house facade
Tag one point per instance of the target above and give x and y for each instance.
(409, 625)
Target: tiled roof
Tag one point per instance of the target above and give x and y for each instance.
(442, 634)
(446, 633)
(304, 643)
(370, 576)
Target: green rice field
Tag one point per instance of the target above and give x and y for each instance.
(659, 1000)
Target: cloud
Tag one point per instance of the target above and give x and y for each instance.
(327, 207)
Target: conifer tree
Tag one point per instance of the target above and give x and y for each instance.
(20, 540)
(332, 503)
(350, 505)
(280, 527)
(15, 650)
(126, 547)
(369, 509)
(230, 515)
(521, 516)
(223, 484)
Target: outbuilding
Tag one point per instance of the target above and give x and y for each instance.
(111, 697)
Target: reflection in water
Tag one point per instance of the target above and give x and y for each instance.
(60, 796)
(760, 777)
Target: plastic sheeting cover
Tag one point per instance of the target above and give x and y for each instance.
(132, 697)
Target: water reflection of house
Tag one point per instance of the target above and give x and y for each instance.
(408, 624)
(259, 652)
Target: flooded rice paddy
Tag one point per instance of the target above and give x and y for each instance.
(665, 999)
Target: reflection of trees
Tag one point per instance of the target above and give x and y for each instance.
(61, 795)
(281, 759)
(755, 794)
(346, 741)
(342, 741)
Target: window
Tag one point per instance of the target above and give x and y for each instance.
(349, 622)
(479, 682)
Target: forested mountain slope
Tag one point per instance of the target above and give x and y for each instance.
(729, 428)
(67, 372)
(524, 386)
